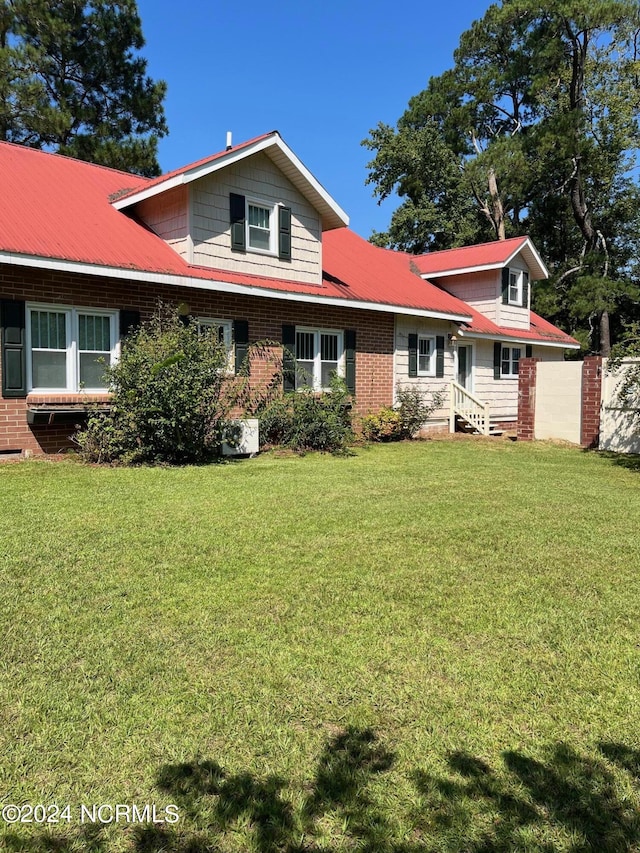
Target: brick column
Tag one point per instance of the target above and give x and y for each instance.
(527, 398)
(591, 401)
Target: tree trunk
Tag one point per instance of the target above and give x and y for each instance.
(497, 210)
(605, 335)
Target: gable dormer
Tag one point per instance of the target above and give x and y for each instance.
(253, 209)
(494, 278)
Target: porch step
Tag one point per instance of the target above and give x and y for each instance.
(463, 425)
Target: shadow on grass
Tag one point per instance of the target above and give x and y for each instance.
(630, 461)
(564, 801)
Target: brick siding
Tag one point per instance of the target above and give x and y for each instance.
(374, 337)
(591, 401)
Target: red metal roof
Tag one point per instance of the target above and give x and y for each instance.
(57, 208)
(540, 330)
(197, 164)
(378, 275)
(482, 255)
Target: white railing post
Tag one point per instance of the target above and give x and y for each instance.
(452, 408)
(487, 419)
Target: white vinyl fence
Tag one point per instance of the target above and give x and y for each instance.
(619, 424)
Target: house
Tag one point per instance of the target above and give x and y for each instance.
(248, 241)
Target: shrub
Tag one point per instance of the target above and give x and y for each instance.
(306, 420)
(415, 408)
(411, 411)
(385, 425)
(169, 400)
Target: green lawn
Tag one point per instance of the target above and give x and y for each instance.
(424, 647)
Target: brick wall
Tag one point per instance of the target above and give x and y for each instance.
(591, 401)
(527, 398)
(374, 341)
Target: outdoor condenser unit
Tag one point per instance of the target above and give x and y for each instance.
(241, 438)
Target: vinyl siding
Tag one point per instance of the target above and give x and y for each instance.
(256, 177)
(166, 215)
(481, 290)
(406, 326)
(511, 315)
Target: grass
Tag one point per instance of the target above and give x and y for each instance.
(424, 647)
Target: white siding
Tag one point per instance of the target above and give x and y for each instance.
(511, 315)
(256, 177)
(501, 394)
(481, 290)
(166, 215)
(406, 326)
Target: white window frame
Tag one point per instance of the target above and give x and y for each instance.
(72, 351)
(512, 374)
(272, 208)
(227, 333)
(431, 370)
(518, 284)
(317, 361)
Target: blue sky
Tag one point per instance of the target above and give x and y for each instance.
(323, 74)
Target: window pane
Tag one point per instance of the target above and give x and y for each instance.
(329, 347)
(91, 372)
(94, 333)
(259, 216)
(258, 239)
(48, 330)
(304, 374)
(305, 346)
(49, 369)
(327, 369)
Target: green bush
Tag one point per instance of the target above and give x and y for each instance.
(306, 420)
(385, 425)
(170, 396)
(411, 411)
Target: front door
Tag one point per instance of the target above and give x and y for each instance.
(464, 366)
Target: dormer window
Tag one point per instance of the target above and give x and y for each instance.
(515, 287)
(258, 226)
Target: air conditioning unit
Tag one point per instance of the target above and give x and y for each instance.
(241, 438)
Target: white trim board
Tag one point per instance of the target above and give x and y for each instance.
(221, 286)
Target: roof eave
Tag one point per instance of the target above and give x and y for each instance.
(533, 260)
(543, 342)
(177, 280)
(333, 216)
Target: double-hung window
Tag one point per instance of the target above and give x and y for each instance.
(515, 287)
(426, 356)
(319, 354)
(259, 230)
(221, 330)
(69, 348)
(509, 361)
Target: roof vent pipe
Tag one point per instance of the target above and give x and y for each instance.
(229, 142)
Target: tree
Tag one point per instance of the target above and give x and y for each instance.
(540, 116)
(72, 81)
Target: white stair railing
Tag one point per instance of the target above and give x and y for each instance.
(474, 411)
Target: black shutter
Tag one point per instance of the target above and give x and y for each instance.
(505, 286)
(241, 344)
(529, 351)
(237, 216)
(439, 356)
(288, 357)
(413, 355)
(129, 320)
(284, 233)
(350, 359)
(497, 358)
(14, 355)
(525, 289)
